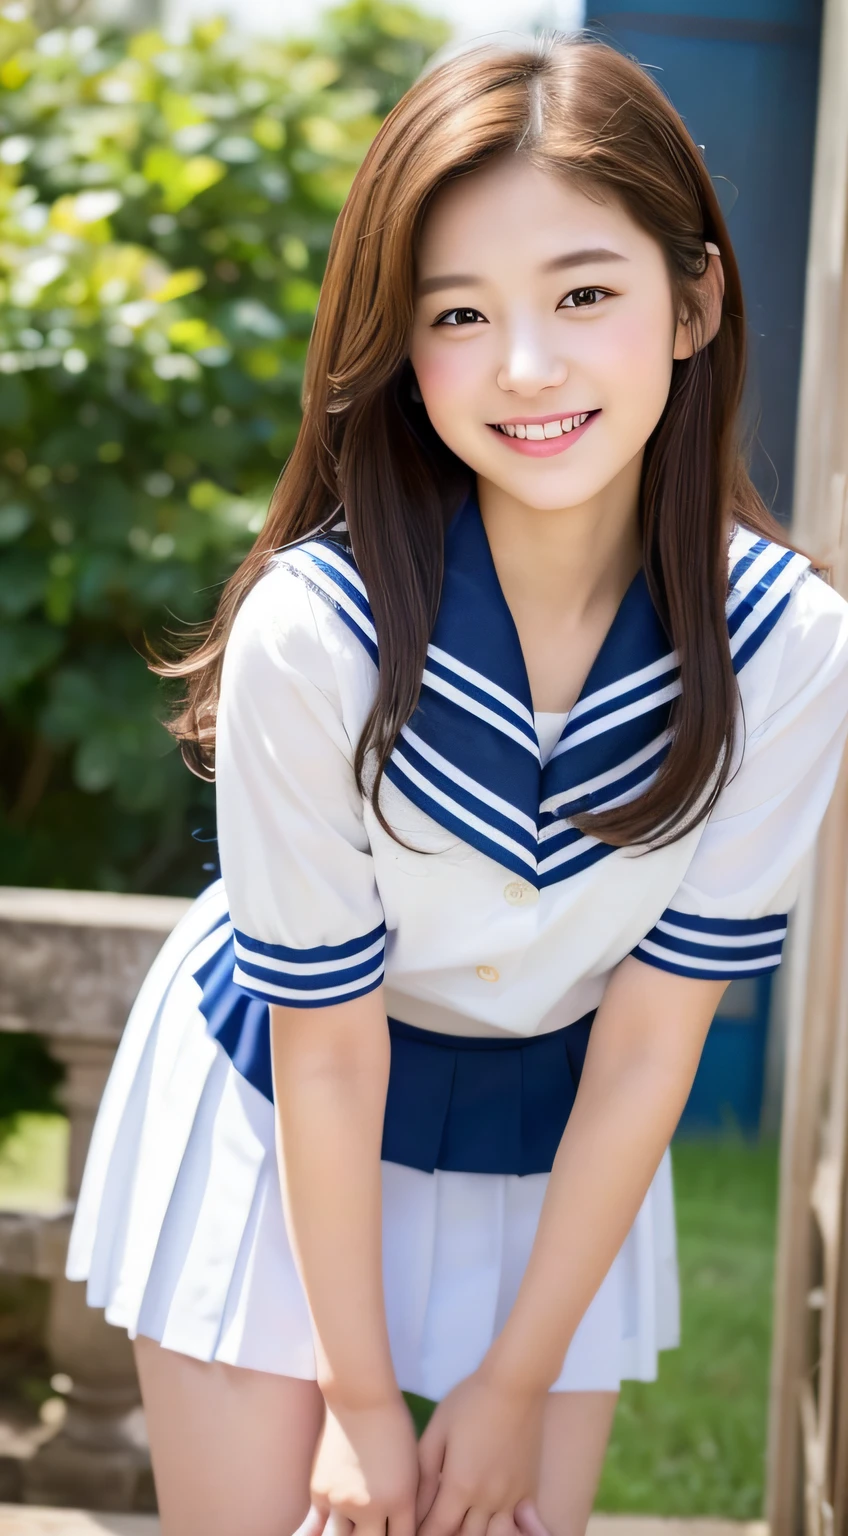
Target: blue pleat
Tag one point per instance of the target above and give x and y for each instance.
(240, 1023)
(465, 1104)
(421, 1082)
(548, 1088)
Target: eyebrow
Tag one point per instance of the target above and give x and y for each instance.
(557, 264)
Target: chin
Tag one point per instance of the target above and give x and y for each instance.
(558, 494)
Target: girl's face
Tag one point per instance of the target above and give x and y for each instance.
(541, 310)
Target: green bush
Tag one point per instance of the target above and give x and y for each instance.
(165, 214)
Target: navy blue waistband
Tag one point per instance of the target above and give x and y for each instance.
(468, 1104)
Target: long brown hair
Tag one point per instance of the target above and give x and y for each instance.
(573, 107)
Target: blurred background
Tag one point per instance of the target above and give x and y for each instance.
(170, 173)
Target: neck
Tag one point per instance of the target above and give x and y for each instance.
(573, 559)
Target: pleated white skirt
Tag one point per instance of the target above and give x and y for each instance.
(179, 1229)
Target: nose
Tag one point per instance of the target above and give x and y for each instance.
(532, 361)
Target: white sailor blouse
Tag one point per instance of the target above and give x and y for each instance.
(494, 923)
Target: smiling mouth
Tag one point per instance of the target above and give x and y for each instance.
(539, 432)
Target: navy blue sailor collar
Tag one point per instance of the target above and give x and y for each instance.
(469, 756)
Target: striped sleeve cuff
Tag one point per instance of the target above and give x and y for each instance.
(714, 948)
(309, 978)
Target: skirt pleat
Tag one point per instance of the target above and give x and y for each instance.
(180, 1231)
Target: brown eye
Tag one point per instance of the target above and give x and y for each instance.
(463, 312)
(584, 298)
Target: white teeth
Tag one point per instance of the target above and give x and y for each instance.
(537, 431)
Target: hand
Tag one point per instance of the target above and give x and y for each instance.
(365, 1472)
(479, 1457)
(528, 1519)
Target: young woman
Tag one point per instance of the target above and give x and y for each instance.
(524, 717)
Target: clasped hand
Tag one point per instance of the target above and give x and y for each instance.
(475, 1468)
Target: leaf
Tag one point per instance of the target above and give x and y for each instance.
(251, 318)
(25, 651)
(269, 132)
(14, 520)
(194, 335)
(181, 180)
(96, 763)
(23, 578)
(179, 284)
(14, 401)
(180, 111)
(300, 295)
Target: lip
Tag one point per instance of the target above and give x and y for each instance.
(550, 445)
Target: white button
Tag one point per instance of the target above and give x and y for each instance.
(519, 894)
(488, 973)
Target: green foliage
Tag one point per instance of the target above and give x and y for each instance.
(165, 215)
(28, 1079)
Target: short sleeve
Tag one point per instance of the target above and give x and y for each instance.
(297, 867)
(728, 918)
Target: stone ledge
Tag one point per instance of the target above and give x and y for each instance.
(91, 909)
(71, 962)
(21, 1520)
(35, 1244)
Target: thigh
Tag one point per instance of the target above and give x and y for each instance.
(231, 1448)
(574, 1441)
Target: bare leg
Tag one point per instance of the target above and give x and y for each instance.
(574, 1441)
(231, 1448)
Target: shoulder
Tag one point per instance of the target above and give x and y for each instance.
(788, 626)
(308, 612)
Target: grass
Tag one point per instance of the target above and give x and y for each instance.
(691, 1443)
(33, 1156)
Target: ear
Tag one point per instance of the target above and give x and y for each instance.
(689, 338)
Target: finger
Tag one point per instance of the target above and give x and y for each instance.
(476, 1522)
(446, 1515)
(314, 1523)
(339, 1525)
(402, 1523)
(431, 1455)
(502, 1524)
(528, 1519)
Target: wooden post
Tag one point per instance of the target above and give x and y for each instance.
(808, 1426)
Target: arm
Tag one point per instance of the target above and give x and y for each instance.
(643, 1053)
(331, 1069)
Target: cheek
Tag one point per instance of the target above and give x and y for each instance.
(447, 374)
(444, 378)
(635, 357)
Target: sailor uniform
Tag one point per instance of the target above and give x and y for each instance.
(493, 924)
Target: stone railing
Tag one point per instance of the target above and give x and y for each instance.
(70, 965)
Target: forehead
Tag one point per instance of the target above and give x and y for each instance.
(512, 210)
